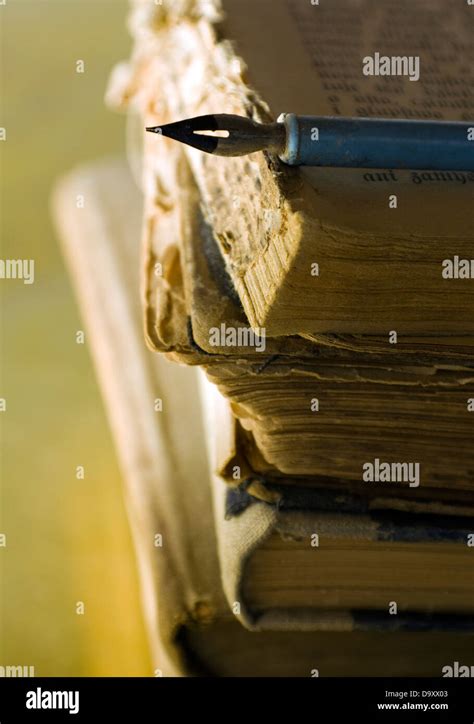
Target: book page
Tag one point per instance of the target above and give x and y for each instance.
(307, 58)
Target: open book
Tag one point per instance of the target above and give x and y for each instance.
(317, 250)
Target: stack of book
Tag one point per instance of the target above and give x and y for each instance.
(329, 428)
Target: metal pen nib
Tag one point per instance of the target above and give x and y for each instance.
(334, 141)
(243, 135)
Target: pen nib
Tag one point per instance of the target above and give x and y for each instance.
(243, 135)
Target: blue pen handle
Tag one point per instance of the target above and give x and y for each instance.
(378, 143)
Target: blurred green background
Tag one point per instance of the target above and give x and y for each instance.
(67, 539)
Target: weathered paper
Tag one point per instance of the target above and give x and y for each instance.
(379, 267)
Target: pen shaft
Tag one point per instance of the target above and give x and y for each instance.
(378, 143)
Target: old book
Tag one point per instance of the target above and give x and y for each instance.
(320, 568)
(166, 474)
(314, 251)
(316, 410)
(154, 412)
(311, 412)
(99, 242)
(191, 627)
